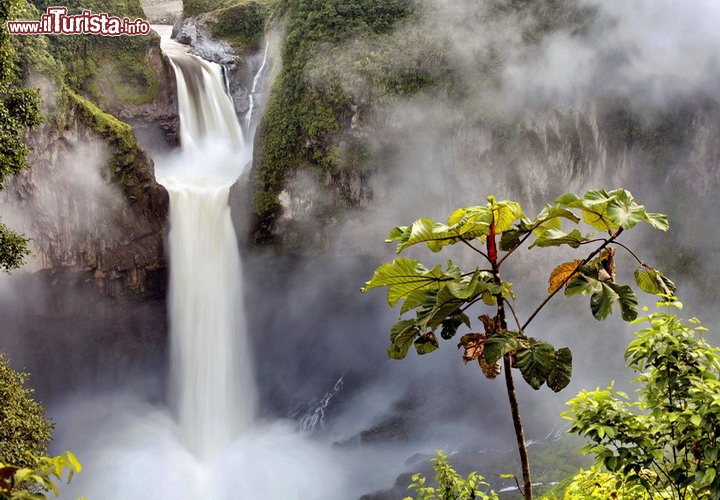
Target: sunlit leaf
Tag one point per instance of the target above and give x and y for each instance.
(658, 221)
(405, 276)
(505, 213)
(549, 218)
(562, 273)
(624, 212)
(653, 281)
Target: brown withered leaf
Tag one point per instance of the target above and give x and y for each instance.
(490, 371)
(492, 325)
(562, 273)
(607, 258)
(474, 345)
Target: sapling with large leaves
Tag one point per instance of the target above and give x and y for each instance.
(442, 298)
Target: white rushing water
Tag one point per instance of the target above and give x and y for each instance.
(209, 444)
(210, 373)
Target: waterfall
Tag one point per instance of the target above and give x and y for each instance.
(210, 443)
(253, 90)
(212, 391)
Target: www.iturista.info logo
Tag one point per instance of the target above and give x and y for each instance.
(57, 21)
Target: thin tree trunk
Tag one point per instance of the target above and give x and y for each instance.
(519, 433)
(509, 382)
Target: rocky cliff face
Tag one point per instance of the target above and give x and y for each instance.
(91, 205)
(156, 123)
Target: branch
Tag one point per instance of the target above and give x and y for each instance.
(475, 249)
(512, 310)
(519, 244)
(631, 253)
(569, 277)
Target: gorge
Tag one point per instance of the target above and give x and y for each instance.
(380, 112)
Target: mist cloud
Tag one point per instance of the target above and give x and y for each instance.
(649, 51)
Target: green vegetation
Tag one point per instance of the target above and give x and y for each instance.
(109, 70)
(311, 102)
(664, 445)
(450, 484)
(24, 483)
(25, 427)
(197, 7)
(19, 109)
(442, 298)
(242, 25)
(667, 443)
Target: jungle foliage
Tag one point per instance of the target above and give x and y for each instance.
(303, 120)
(108, 70)
(666, 443)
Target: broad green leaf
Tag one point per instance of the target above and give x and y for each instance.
(601, 301)
(624, 212)
(473, 214)
(426, 343)
(468, 286)
(405, 276)
(653, 281)
(556, 238)
(498, 345)
(566, 200)
(593, 206)
(446, 305)
(597, 219)
(402, 335)
(421, 231)
(658, 221)
(399, 233)
(561, 370)
(535, 362)
(437, 235)
(549, 217)
(627, 299)
(510, 239)
(580, 285)
(425, 298)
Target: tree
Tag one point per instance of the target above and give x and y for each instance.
(441, 298)
(451, 485)
(24, 426)
(667, 443)
(25, 429)
(23, 483)
(19, 109)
